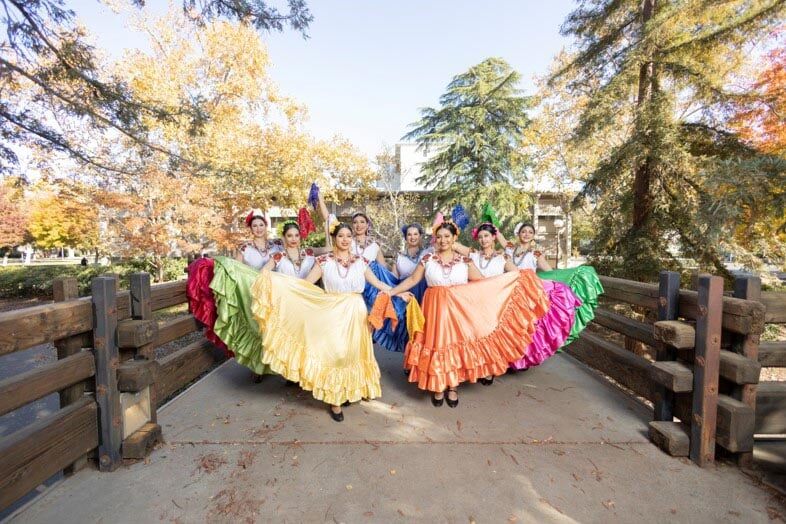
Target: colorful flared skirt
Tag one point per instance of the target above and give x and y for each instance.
(474, 330)
(554, 328)
(235, 324)
(389, 337)
(319, 340)
(201, 302)
(585, 284)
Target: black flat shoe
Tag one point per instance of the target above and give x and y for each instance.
(291, 383)
(338, 417)
(451, 403)
(256, 379)
(437, 402)
(346, 403)
(487, 381)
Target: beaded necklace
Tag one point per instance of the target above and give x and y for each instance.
(488, 258)
(518, 261)
(416, 258)
(296, 264)
(362, 250)
(262, 253)
(447, 268)
(347, 264)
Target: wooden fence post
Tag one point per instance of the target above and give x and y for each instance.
(107, 361)
(141, 308)
(706, 369)
(748, 288)
(63, 289)
(668, 302)
(140, 296)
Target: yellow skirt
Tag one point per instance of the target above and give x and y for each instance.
(319, 340)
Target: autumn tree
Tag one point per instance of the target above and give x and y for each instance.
(59, 221)
(663, 72)
(13, 226)
(476, 136)
(251, 136)
(49, 73)
(760, 198)
(156, 216)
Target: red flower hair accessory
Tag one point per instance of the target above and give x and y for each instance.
(255, 213)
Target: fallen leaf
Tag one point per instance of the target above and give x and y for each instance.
(608, 504)
(513, 518)
(368, 514)
(392, 471)
(458, 425)
(401, 513)
(349, 487)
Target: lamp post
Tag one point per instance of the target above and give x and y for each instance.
(560, 225)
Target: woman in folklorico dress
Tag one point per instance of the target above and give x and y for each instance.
(387, 336)
(582, 280)
(472, 330)
(317, 338)
(218, 291)
(553, 329)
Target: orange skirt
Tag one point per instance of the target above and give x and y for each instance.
(474, 330)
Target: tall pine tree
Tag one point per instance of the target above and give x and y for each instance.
(666, 71)
(476, 138)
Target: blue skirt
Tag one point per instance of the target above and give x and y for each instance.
(387, 337)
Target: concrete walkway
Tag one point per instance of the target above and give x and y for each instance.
(553, 444)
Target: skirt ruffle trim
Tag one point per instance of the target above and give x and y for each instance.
(201, 301)
(554, 328)
(231, 325)
(435, 369)
(288, 356)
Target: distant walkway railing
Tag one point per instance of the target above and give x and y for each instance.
(106, 374)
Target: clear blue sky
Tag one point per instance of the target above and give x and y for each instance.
(369, 66)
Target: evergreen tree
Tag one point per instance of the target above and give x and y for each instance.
(665, 70)
(476, 135)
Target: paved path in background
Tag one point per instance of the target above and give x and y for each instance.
(553, 444)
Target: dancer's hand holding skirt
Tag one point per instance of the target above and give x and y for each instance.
(320, 340)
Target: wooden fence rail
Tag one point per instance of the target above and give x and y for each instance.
(702, 394)
(99, 340)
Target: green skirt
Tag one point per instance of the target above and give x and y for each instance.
(584, 282)
(235, 324)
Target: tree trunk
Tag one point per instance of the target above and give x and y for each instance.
(642, 181)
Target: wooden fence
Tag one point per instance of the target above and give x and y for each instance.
(105, 357)
(771, 396)
(702, 364)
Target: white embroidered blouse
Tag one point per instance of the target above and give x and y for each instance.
(439, 274)
(339, 278)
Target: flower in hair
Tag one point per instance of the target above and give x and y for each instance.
(255, 213)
